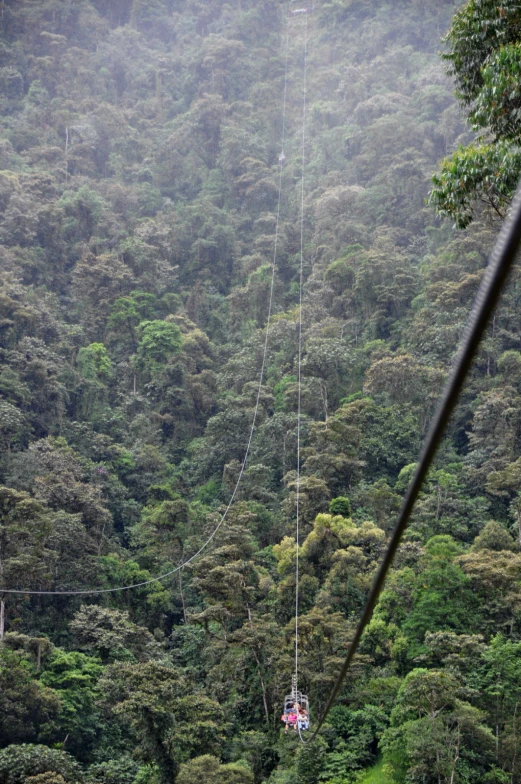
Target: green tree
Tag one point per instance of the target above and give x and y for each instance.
(26, 526)
(95, 368)
(129, 312)
(443, 598)
(59, 477)
(73, 678)
(310, 762)
(169, 722)
(493, 537)
(122, 770)
(162, 531)
(94, 362)
(494, 580)
(209, 769)
(12, 424)
(27, 706)
(340, 506)
(499, 679)
(434, 733)
(484, 57)
(111, 635)
(159, 341)
(20, 763)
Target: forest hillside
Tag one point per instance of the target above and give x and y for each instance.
(145, 194)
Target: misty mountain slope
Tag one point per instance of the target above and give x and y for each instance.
(139, 188)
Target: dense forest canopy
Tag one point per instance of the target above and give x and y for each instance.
(139, 187)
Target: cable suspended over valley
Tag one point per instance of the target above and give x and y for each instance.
(500, 263)
(299, 362)
(501, 260)
(175, 570)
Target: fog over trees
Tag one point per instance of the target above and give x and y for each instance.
(140, 178)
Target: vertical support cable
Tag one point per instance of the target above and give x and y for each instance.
(299, 376)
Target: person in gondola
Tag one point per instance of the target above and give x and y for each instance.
(292, 719)
(303, 719)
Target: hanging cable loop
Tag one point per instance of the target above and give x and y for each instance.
(161, 577)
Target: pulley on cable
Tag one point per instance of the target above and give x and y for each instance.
(298, 11)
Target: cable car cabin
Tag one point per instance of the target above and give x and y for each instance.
(296, 711)
(297, 11)
(301, 699)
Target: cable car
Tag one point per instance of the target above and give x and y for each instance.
(295, 11)
(282, 159)
(298, 704)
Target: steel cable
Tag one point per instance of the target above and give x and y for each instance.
(299, 359)
(501, 260)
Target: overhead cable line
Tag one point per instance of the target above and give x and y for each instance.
(501, 260)
(299, 357)
(165, 575)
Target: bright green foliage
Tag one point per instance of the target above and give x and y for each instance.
(94, 362)
(148, 774)
(123, 770)
(209, 769)
(434, 733)
(11, 424)
(498, 105)
(376, 775)
(356, 733)
(485, 59)
(73, 677)
(484, 172)
(493, 537)
(479, 29)
(340, 506)
(499, 680)
(128, 312)
(160, 340)
(25, 704)
(443, 598)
